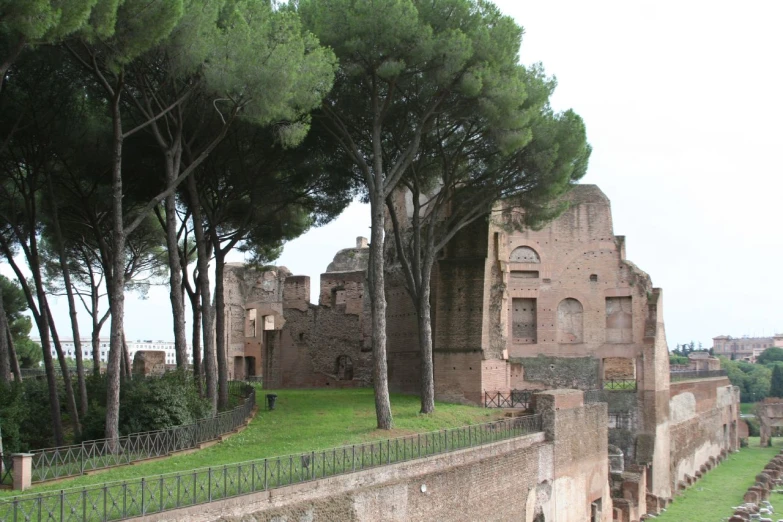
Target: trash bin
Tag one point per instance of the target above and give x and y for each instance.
(270, 400)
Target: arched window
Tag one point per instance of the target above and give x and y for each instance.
(344, 368)
(524, 254)
(569, 321)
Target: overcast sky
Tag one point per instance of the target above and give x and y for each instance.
(682, 102)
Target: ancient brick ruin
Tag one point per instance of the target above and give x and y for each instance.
(273, 330)
(530, 310)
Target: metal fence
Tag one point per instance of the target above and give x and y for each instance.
(121, 500)
(41, 372)
(512, 399)
(620, 420)
(67, 461)
(696, 374)
(619, 384)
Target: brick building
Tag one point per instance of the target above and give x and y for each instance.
(275, 332)
(744, 348)
(559, 307)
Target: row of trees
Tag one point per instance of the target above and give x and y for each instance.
(759, 380)
(142, 139)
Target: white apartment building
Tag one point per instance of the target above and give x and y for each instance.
(69, 350)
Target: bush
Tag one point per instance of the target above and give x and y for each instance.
(753, 426)
(25, 417)
(145, 405)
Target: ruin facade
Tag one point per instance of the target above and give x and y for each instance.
(744, 348)
(274, 332)
(530, 310)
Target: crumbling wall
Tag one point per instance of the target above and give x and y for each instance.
(295, 343)
(558, 372)
(149, 362)
(703, 424)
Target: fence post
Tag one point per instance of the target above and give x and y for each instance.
(23, 470)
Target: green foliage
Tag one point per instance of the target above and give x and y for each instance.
(42, 21)
(770, 355)
(15, 304)
(776, 383)
(678, 359)
(25, 415)
(28, 352)
(155, 404)
(754, 426)
(752, 379)
(146, 404)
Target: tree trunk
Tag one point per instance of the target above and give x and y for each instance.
(41, 319)
(210, 371)
(51, 379)
(220, 329)
(424, 318)
(175, 268)
(77, 344)
(195, 307)
(380, 369)
(127, 364)
(116, 281)
(96, 345)
(43, 329)
(5, 356)
(70, 396)
(13, 359)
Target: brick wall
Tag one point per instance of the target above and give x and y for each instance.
(555, 475)
(703, 423)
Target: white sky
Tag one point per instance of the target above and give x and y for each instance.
(682, 102)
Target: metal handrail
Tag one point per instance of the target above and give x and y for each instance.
(619, 384)
(139, 497)
(68, 461)
(512, 399)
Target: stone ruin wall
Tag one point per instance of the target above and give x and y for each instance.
(704, 417)
(558, 474)
(302, 345)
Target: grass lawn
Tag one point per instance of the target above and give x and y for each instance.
(711, 498)
(747, 407)
(303, 420)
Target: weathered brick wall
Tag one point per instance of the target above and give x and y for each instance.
(149, 362)
(554, 475)
(328, 345)
(703, 422)
(458, 376)
(462, 485)
(581, 468)
(402, 342)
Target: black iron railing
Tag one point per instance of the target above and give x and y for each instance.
(619, 384)
(134, 498)
(620, 420)
(68, 461)
(512, 399)
(695, 374)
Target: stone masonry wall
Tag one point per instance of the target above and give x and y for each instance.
(293, 343)
(703, 423)
(559, 474)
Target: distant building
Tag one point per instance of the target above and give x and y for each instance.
(69, 350)
(744, 348)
